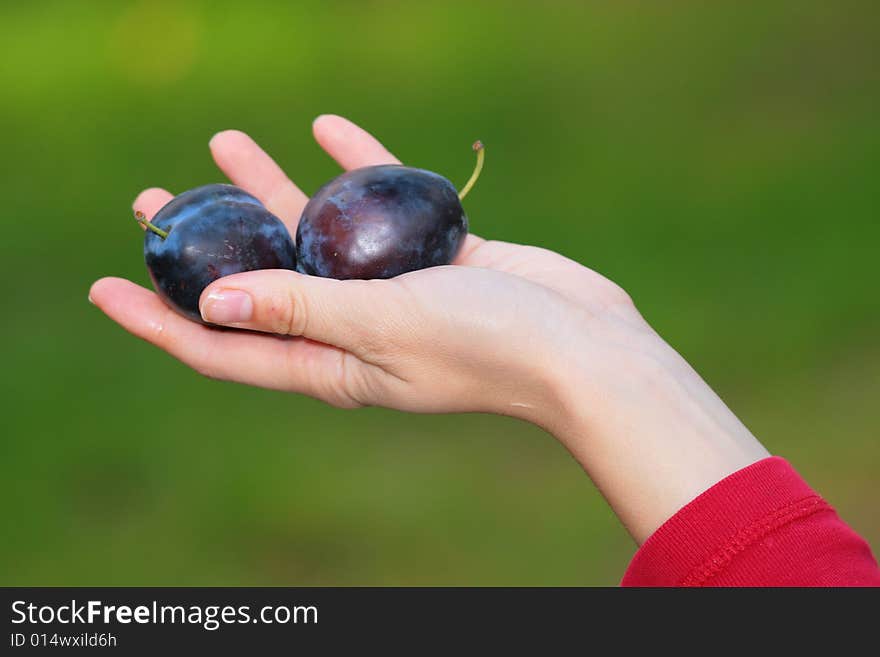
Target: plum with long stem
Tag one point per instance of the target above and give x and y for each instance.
(382, 221)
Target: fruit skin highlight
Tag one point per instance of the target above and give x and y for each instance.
(210, 232)
(379, 222)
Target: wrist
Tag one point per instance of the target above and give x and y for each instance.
(647, 429)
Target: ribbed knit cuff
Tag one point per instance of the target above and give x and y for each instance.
(718, 526)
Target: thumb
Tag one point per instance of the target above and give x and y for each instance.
(342, 313)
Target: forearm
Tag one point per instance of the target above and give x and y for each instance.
(646, 428)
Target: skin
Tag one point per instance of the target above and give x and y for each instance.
(508, 329)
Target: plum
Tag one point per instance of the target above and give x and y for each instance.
(382, 221)
(206, 233)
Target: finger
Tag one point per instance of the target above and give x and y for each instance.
(352, 315)
(262, 360)
(351, 146)
(251, 168)
(150, 201)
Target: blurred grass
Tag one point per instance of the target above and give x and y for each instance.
(719, 160)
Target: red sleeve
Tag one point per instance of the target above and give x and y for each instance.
(761, 526)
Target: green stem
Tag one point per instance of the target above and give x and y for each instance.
(142, 220)
(481, 155)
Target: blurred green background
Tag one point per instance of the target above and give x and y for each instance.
(719, 160)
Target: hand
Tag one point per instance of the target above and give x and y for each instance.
(471, 337)
(507, 329)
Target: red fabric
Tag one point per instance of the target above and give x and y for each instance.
(761, 526)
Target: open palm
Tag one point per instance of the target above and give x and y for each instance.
(431, 340)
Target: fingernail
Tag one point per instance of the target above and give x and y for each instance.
(91, 301)
(227, 307)
(217, 134)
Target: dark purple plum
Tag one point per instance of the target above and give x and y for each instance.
(206, 233)
(382, 221)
